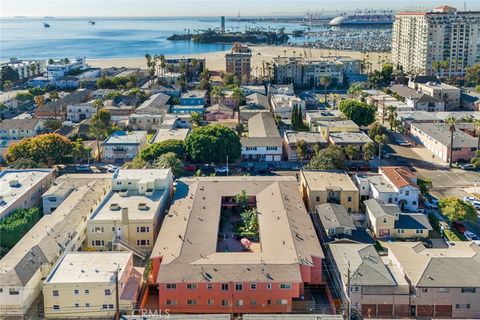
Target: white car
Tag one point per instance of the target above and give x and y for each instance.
(471, 236)
(111, 168)
(470, 199)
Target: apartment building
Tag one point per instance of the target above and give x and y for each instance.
(9, 99)
(22, 189)
(442, 34)
(450, 95)
(332, 220)
(121, 146)
(310, 139)
(24, 67)
(436, 137)
(195, 271)
(238, 62)
(82, 284)
(60, 68)
(264, 142)
(443, 281)
(306, 73)
(418, 100)
(18, 129)
(28, 263)
(386, 220)
(194, 98)
(282, 105)
(81, 111)
(319, 187)
(129, 215)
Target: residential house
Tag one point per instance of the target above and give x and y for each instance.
(157, 104)
(227, 99)
(282, 105)
(84, 283)
(9, 99)
(56, 233)
(346, 138)
(325, 127)
(322, 115)
(311, 139)
(386, 220)
(263, 142)
(319, 187)
(170, 134)
(119, 112)
(418, 100)
(332, 220)
(219, 112)
(254, 89)
(129, 215)
(18, 129)
(22, 189)
(407, 118)
(255, 103)
(58, 109)
(121, 146)
(194, 98)
(287, 89)
(198, 272)
(187, 109)
(436, 137)
(449, 94)
(81, 111)
(404, 182)
(147, 122)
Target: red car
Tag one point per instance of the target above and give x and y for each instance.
(190, 167)
(459, 226)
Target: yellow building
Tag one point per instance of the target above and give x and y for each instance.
(82, 285)
(319, 187)
(129, 216)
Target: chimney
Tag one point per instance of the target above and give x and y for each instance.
(124, 216)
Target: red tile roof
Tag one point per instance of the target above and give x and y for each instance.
(399, 176)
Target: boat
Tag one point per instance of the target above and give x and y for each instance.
(46, 25)
(364, 17)
(91, 22)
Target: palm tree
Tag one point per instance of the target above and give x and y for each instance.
(392, 116)
(335, 98)
(238, 95)
(66, 61)
(351, 152)
(380, 140)
(54, 97)
(368, 151)
(451, 121)
(217, 93)
(98, 104)
(32, 68)
(325, 82)
(196, 118)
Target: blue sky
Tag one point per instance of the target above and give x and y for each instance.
(205, 7)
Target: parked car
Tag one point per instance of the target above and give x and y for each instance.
(474, 201)
(207, 169)
(472, 236)
(222, 171)
(467, 166)
(431, 203)
(460, 227)
(190, 167)
(247, 166)
(111, 168)
(83, 168)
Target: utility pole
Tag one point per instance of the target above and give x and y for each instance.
(227, 167)
(349, 306)
(117, 300)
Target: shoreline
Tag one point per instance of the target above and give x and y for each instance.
(215, 61)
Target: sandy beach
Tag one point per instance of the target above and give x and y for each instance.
(216, 60)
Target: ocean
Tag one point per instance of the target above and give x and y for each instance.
(109, 38)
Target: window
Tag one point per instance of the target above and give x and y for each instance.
(87, 291)
(170, 286)
(269, 286)
(285, 286)
(251, 148)
(271, 148)
(400, 231)
(110, 306)
(209, 286)
(418, 231)
(469, 290)
(224, 286)
(87, 305)
(191, 286)
(253, 286)
(170, 302)
(104, 306)
(424, 290)
(238, 287)
(210, 302)
(349, 199)
(283, 301)
(13, 292)
(317, 199)
(443, 290)
(462, 306)
(77, 305)
(349, 209)
(239, 302)
(269, 301)
(55, 293)
(98, 243)
(108, 292)
(97, 230)
(143, 229)
(143, 242)
(75, 292)
(56, 307)
(224, 302)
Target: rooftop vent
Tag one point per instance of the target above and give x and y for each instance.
(14, 184)
(142, 206)
(114, 207)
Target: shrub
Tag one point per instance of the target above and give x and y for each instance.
(16, 225)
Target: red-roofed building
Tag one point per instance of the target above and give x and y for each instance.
(404, 182)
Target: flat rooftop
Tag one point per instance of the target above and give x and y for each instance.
(140, 206)
(167, 134)
(187, 241)
(323, 180)
(121, 137)
(92, 267)
(15, 183)
(141, 175)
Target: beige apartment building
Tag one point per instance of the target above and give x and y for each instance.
(82, 285)
(129, 215)
(238, 62)
(450, 95)
(443, 34)
(319, 187)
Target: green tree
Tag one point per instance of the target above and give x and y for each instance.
(354, 90)
(196, 119)
(52, 124)
(294, 118)
(473, 75)
(359, 112)
(330, 158)
(80, 152)
(249, 226)
(17, 224)
(37, 91)
(376, 129)
(241, 199)
(424, 185)
(325, 81)
(24, 164)
(8, 74)
(368, 151)
(301, 150)
(100, 125)
(240, 128)
(352, 152)
(387, 72)
(381, 140)
(24, 97)
(457, 210)
(170, 160)
(48, 149)
(213, 143)
(451, 122)
(155, 150)
(392, 117)
(137, 163)
(54, 97)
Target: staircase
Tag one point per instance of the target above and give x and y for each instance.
(122, 243)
